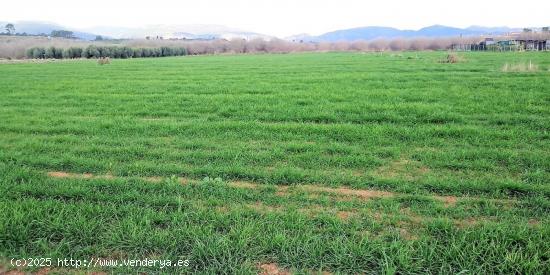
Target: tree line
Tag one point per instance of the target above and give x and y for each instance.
(37, 47)
(93, 51)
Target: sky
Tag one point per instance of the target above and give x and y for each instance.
(281, 17)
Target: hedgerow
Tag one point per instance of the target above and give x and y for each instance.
(93, 51)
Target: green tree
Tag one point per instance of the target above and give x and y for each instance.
(10, 28)
(67, 53)
(49, 53)
(137, 53)
(36, 52)
(76, 52)
(127, 52)
(91, 52)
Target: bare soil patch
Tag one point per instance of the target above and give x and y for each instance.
(344, 215)
(154, 179)
(59, 175)
(447, 200)
(244, 184)
(341, 193)
(407, 235)
(363, 193)
(262, 208)
(272, 269)
(281, 190)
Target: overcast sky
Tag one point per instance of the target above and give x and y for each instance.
(282, 17)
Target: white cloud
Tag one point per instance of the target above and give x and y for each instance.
(281, 17)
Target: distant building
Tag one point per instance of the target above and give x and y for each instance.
(490, 44)
(489, 41)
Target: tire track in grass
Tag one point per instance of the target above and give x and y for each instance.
(364, 194)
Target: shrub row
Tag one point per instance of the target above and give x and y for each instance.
(100, 51)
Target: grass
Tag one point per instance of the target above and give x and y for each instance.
(333, 162)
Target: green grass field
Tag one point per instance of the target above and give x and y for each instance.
(319, 162)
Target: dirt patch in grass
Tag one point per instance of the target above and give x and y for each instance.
(155, 179)
(262, 208)
(281, 190)
(272, 269)
(407, 234)
(244, 184)
(448, 201)
(60, 175)
(344, 215)
(67, 175)
(79, 176)
(339, 193)
(402, 169)
(363, 193)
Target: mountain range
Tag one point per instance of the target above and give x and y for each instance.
(219, 31)
(375, 32)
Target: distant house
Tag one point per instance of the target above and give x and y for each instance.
(534, 44)
(490, 44)
(507, 43)
(489, 41)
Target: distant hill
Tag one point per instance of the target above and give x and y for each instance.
(37, 27)
(166, 31)
(197, 31)
(366, 33)
(374, 32)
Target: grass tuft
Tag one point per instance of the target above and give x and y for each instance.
(520, 67)
(103, 61)
(453, 58)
